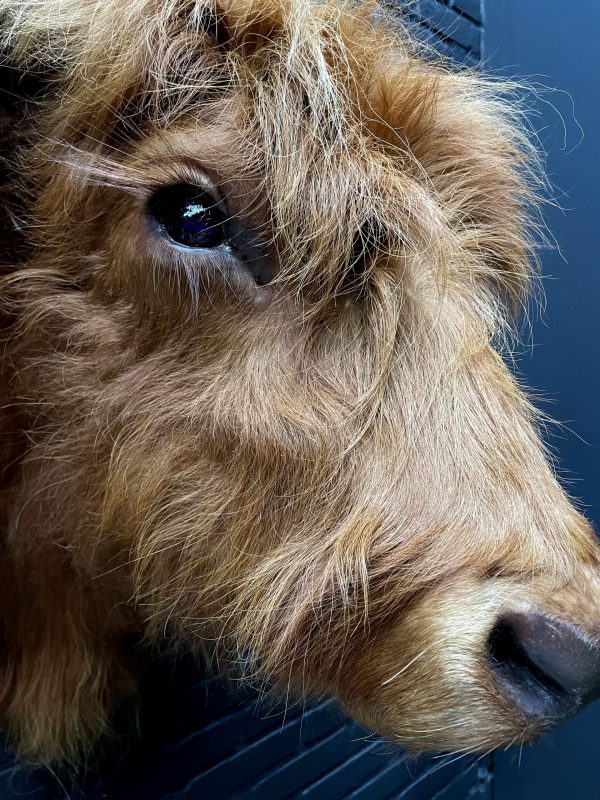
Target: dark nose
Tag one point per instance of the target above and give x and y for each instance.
(549, 668)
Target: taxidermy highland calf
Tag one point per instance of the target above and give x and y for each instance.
(258, 258)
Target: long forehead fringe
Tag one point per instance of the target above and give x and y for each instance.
(278, 55)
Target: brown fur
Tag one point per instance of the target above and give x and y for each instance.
(333, 478)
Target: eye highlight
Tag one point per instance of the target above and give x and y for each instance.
(188, 216)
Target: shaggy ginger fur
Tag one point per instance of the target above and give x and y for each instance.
(327, 475)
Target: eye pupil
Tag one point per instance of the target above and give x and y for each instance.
(188, 216)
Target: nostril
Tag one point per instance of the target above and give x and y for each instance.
(548, 667)
(527, 682)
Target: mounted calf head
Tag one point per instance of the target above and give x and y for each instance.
(257, 258)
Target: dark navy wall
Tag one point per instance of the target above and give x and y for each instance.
(204, 740)
(556, 44)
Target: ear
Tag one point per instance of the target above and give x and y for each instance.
(33, 48)
(18, 91)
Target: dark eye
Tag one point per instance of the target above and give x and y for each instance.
(188, 216)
